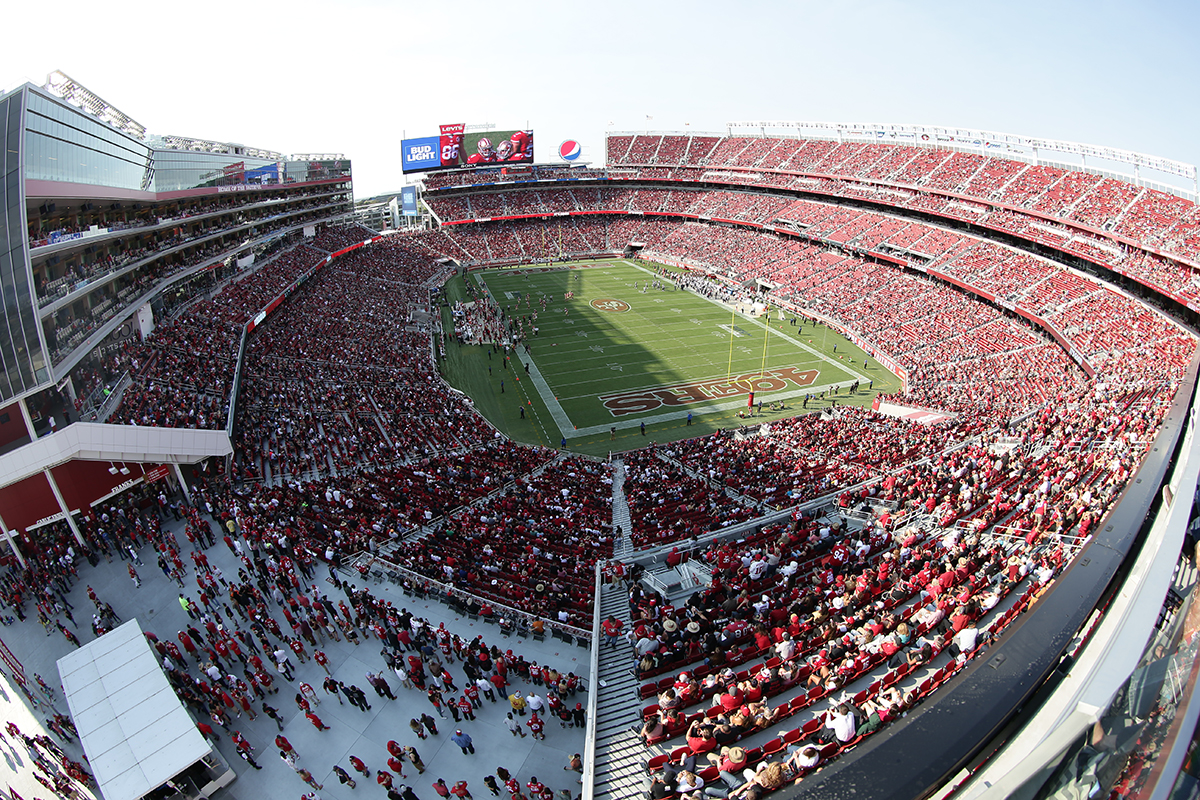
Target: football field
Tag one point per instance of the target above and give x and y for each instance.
(620, 352)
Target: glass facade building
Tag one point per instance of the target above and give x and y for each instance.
(21, 351)
(66, 146)
(100, 220)
(176, 170)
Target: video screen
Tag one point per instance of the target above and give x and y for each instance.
(454, 147)
(497, 147)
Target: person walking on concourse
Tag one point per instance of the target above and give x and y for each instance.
(464, 741)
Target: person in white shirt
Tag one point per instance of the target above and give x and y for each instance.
(647, 644)
(689, 785)
(806, 757)
(841, 724)
(786, 648)
(758, 568)
(964, 641)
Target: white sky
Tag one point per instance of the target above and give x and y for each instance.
(354, 76)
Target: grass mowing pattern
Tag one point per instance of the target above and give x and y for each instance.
(618, 339)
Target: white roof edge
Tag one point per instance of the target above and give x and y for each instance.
(92, 441)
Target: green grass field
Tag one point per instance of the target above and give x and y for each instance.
(624, 355)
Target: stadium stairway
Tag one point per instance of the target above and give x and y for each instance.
(623, 544)
(620, 754)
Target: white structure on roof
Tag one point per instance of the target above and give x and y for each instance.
(135, 731)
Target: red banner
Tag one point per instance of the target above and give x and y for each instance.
(157, 474)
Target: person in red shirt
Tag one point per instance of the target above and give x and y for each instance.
(323, 660)
(316, 721)
(384, 778)
(283, 744)
(535, 726)
(265, 681)
(397, 766)
(468, 710)
(309, 693)
(731, 698)
(460, 790)
(298, 649)
(245, 703)
(522, 146)
(358, 765)
(700, 739)
(612, 630)
(441, 788)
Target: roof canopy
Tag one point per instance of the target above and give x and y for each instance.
(134, 729)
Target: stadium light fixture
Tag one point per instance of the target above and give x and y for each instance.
(59, 84)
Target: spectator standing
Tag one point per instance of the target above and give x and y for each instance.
(463, 741)
(343, 776)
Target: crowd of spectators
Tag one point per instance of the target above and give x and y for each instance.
(75, 321)
(667, 503)
(532, 546)
(345, 442)
(232, 654)
(806, 609)
(183, 371)
(523, 240)
(341, 377)
(521, 174)
(801, 611)
(940, 335)
(339, 237)
(960, 354)
(1113, 220)
(865, 230)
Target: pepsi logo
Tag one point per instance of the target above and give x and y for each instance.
(570, 150)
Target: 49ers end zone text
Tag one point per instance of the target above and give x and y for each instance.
(641, 400)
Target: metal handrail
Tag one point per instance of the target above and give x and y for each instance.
(447, 590)
(589, 744)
